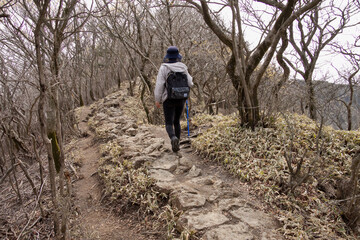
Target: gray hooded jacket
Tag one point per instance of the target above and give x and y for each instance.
(165, 68)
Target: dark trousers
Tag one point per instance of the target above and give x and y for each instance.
(172, 112)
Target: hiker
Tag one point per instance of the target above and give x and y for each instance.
(172, 97)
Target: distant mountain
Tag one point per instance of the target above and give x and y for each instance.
(331, 101)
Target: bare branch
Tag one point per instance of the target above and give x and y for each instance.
(204, 9)
(4, 15)
(273, 3)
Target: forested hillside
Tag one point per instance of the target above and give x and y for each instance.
(274, 135)
(340, 104)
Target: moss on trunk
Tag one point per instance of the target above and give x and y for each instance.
(55, 150)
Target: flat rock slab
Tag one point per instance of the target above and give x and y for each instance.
(254, 218)
(186, 162)
(141, 160)
(270, 235)
(167, 162)
(227, 204)
(108, 127)
(158, 143)
(161, 175)
(186, 200)
(239, 231)
(199, 220)
(156, 154)
(214, 195)
(131, 131)
(206, 180)
(101, 116)
(194, 172)
(167, 187)
(181, 169)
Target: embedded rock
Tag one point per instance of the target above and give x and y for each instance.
(182, 169)
(186, 200)
(185, 162)
(155, 146)
(168, 163)
(139, 161)
(161, 175)
(101, 116)
(254, 218)
(156, 154)
(198, 220)
(227, 204)
(230, 232)
(194, 172)
(206, 180)
(166, 187)
(131, 131)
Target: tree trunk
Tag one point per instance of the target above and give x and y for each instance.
(349, 105)
(91, 78)
(41, 111)
(311, 100)
(146, 109)
(243, 62)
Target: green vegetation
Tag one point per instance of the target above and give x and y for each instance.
(55, 150)
(305, 201)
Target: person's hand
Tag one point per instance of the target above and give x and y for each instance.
(157, 104)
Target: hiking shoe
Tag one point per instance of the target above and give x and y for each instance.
(175, 144)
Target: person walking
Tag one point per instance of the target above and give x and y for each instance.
(173, 105)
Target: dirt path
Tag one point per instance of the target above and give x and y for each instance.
(96, 221)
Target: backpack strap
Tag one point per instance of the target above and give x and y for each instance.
(167, 75)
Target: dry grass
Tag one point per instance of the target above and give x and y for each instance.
(257, 157)
(124, 183)
(129, 188)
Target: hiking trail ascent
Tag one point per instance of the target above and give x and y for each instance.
(214, 204)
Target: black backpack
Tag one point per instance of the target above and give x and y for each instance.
(177, 85)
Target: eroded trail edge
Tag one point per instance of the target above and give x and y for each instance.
(94, 220)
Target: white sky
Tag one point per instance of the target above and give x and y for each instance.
(326, 60)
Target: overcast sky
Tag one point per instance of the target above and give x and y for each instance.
(326, 60)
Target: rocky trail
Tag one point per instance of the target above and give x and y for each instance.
(214, 204)
(95, 221)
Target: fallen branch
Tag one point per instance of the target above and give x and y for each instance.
(32, 213)
(8, 172)
(4, 15)
(346, 199)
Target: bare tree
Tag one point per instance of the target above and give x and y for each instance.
(243, 62)
(136, 32)
(4, 5)
(43, 8)
(348, 194)
(35, 35)
(314, 31)
(351, 78)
